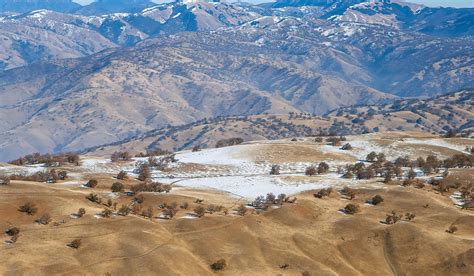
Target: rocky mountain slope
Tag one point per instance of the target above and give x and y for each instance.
(437, 115)
(185, 62)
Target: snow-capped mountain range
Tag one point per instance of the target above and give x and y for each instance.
(71, 81)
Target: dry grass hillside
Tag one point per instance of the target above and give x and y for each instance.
(309, 231)
(436, 116)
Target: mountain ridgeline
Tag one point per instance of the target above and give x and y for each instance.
(72, 79)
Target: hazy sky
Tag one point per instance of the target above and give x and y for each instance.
(435, 3)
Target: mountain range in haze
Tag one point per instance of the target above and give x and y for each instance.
(85, 76)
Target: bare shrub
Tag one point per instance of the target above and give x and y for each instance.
(346, 147)
(29, 208)
(411, 174)
(117, 187)
(94, 198)
(75, 243)
(275, 170)
(452, 229)
(377, 199)
(81, 212)
(92, 183)
(122, 175)
(323, 167)
(124, 210)
(393, 218)
(199, 211)
(184, 206)
(348, 192)
(410, 216)
(120, 156)
(351, 209)
(219, 265)
(14, 233)
(45, 219)
(242, 210)
(310, 171)
(323, 192)
(144, 172)
(106, 213)
(148, 212)
(371, 156)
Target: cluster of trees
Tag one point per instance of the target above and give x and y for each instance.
(264, 202)
(381, 167)
(155, 152)
(155, 187)
(163, 162)
(394, 217)
(120, 156)
(229, 142)
(323, 167)
(336, 141)
(49, 160)
(50, 176)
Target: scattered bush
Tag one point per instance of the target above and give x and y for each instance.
(81, 212)
(371, 156)
(393, 218)
(120, 156)
(346, 147)
(122, 175)
(117, 187)
(323, 192)
(275, 170)
(196, 148)
(94, 198)
(29, 208)
(377, 199)
(219, 265)
(411, 174)
(106, 213)
(12, 231)
(310, 171)
(348, 192)
(351, 209)
(144, 172)
(199, 211)
(75, 243)
(124, 210)
(229, 142)
(4, 180)
(45, 219)
(452, 229)
(348, 175)
(323, 167)
(184, 206)
(241, 210)
(410, 216)
(92, 183)
(148, 213)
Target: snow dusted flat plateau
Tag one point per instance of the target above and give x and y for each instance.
(244, 170)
